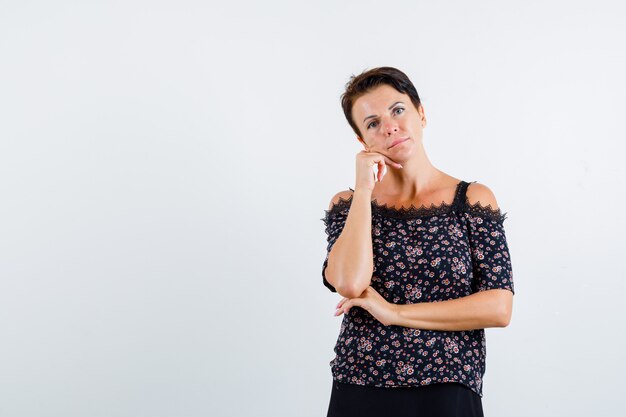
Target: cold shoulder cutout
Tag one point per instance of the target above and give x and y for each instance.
(341, 195)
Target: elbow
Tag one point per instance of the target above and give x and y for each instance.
(351, 286)
(350, 291)
(503, 322)
(503, 308)
(504, 318)
(346, 283)
(343, 288)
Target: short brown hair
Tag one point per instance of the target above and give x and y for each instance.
(370, 79)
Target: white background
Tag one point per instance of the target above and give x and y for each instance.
(164, 167)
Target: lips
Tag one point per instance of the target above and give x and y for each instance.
(395, 142)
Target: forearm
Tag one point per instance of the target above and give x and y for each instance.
(351, 259)
(476, 311)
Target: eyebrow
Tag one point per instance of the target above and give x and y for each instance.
(390, 107)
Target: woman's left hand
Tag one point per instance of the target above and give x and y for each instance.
(374, 303)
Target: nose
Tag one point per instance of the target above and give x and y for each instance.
(390, 128)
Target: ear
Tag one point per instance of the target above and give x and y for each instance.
(422, 115)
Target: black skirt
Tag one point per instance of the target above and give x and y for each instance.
(450, 399)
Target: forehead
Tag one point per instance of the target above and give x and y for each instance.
(377, 99)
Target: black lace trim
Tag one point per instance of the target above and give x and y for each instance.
(412, 212)
(342, 205)
(487, 211)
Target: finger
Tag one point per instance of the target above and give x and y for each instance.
(391, 162)
(379, 169)
(342, 309)
(382, 171)
(341, 302)
(375, 171)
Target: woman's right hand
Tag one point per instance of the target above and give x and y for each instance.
(365, 161)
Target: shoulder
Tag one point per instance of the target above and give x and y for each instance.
(341, 195)
(480, 193)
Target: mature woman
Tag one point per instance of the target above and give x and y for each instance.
(421, 260)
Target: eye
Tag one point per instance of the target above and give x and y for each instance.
(397, 108)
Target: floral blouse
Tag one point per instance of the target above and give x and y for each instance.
(424, 254)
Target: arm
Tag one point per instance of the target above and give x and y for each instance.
(351, 259)
(484, 308)
(487, 306)
(491, 308)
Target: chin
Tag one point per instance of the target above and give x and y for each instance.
(401, 154)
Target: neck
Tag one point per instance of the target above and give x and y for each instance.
(416, 177)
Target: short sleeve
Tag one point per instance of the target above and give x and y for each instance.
(491, 261)
(334, 220)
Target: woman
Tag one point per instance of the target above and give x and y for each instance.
(421, 260)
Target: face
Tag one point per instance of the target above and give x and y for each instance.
(385, 116)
